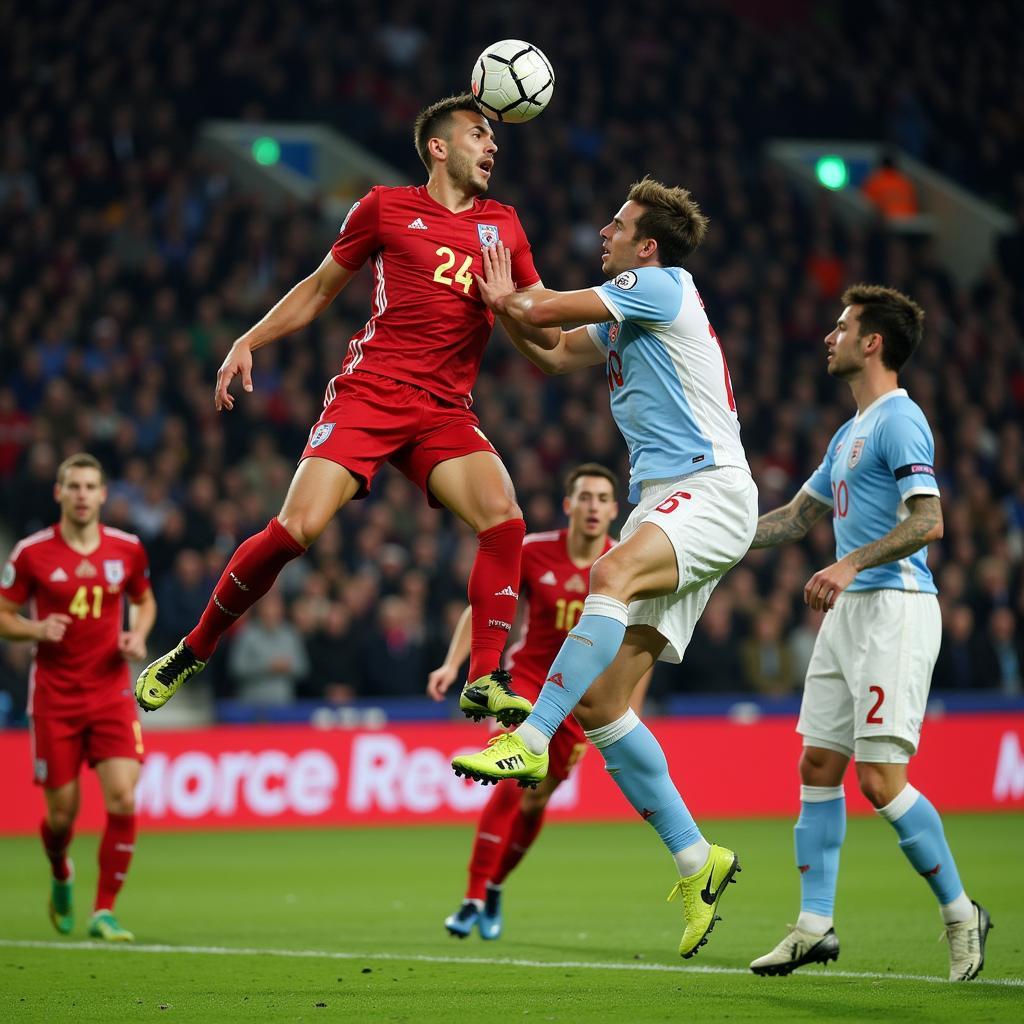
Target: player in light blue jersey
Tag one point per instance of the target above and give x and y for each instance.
(695, 515)
(868, 679)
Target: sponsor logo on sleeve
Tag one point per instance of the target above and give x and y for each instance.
(625, 280)
(344, 223)
(914, 469)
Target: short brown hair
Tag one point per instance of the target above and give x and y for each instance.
(435, 122)
(893, 315)
(670, 217)
(83, 460)
(589, 469)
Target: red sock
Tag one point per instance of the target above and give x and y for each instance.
(524, 831)
(246, 578)
(116, 849)
(492, 835)
(56, 846)
(494, 593)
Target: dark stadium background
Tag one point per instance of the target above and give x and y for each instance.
(129, 262)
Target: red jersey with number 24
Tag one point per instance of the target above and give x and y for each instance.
(428, 325)
(85, 670)
(554, 588)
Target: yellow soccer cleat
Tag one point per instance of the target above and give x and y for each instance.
(701, 893)
(492, 697)
(159, 681)
(105, 926)
(505, 757)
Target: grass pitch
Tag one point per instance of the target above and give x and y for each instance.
(347, 925)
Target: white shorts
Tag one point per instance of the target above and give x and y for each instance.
(868, 680)
(709, 517)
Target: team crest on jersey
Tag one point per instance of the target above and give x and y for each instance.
(7, 578)
(85, 570)
(613, 333)
(856, 449)
(113, 571)
(488, 234)
(321, 432)
(625, 280)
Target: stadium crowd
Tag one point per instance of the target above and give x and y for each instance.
(129, 262)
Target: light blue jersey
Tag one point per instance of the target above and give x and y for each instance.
(671, 395)
(875, 462)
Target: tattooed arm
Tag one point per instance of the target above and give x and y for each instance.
(921, 527)
(790, 522)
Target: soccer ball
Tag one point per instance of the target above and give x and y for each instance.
(512, 81)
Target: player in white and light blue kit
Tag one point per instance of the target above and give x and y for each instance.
(695, 515)
(868, 679)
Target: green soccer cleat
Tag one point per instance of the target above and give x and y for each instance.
(492, 697)
(159, 681)
(62, 911)
(701, 893)
(104, 925)
(505, 757)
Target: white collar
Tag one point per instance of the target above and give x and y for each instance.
(878, 401)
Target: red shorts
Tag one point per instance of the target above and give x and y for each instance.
(61, 742)
(568, 744)
(370, 420)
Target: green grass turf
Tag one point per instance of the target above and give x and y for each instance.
(587, 893)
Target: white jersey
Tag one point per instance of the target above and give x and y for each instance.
(671, 394)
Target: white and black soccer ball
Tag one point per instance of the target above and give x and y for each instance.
(512, 81)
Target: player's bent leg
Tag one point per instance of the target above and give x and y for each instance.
(798, 949)
(477, 488)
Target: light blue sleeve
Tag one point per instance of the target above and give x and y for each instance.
(647, 295)
(599, 335)
(819, 485)
(906, 445)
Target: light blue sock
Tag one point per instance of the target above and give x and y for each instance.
(586, 652)
(818, 836)
(635, 760)
(923, 841)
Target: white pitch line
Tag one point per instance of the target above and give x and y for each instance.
(591, 965)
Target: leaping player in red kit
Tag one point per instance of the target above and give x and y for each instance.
(402, 397)
(75, 576)
(555, 582)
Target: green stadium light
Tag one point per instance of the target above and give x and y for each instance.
(266, 151)
(832, 171)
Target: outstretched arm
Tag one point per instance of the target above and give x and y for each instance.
(921, 527)
(790, 522)
(533, 317)
(306, 301)
(439, 681)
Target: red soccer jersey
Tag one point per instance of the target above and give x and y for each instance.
(428, 325)
(554, 588)
(85, 669)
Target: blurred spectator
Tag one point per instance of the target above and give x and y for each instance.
(891, 191)
(267, 656)
(1001, 660)
(956, 667)
(393, 651)
(711, 663)
(767, 661)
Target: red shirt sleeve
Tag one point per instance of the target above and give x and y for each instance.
(138, 580)
(524, 273)
(16, 579)
(359, 234)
